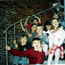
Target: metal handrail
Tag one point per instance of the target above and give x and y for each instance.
(41, 12)
(12, 25)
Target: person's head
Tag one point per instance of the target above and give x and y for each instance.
(39, 29)
(55, 23)
(47, 25)
(36, 43)
(23, 39)
(61, 11)
(55, 16)
(35, 20)
(34, 27)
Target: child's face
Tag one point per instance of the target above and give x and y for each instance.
(55, 16)
(48, 27)
(35, 21)
(55, 23)
(39, 29)
(34, 27)
(36, 44)
(23, 40)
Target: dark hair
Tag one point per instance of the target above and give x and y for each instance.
(38, 39)
(58, 21)
(33, 24)
(62, 10)
(34, 19)
(39, 25)
(48, 22)
(21, 36)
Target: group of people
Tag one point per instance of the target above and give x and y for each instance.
(38, 42)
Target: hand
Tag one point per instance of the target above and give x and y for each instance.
(8, 48)
(42, 45)
(14, 41)
(37, 35)
(28, 17)
(54, 45)
(40, 49)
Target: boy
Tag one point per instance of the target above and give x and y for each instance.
(43, 38)
(35, 55)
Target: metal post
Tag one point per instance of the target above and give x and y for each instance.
(14, 31)
(6, 50)
(64, 10)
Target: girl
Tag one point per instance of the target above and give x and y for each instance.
(47, 27)
(21, 46)
(56, 38)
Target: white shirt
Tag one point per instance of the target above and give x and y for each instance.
(56, 38)
(46, 31)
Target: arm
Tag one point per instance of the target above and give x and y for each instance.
(22, 26)
(27, 20)
(16, 45)
(61, 38)
(25, 23)
(17, 52)
(25, 30)
(29, 34)
(41, 58)
(50, 41)
(37, 18)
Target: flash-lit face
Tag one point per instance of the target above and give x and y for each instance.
(48, 27)
(55, 16)
(35, 21)
(36, 44)
(39, 29)
(23, 40)
(55, 23)
(34, 27)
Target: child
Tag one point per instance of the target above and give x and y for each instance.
(47, 27)
(35, 55)
(21, 46)
(36, 20)
(31, 34)
(43, 38)
(56, 38)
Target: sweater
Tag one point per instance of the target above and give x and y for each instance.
(35, 57)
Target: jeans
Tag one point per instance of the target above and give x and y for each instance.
(21, 60)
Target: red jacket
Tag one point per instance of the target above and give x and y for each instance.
(34, 56)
